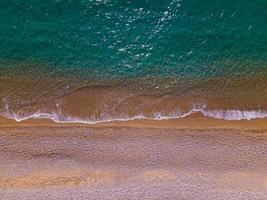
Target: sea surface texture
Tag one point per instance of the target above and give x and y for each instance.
(101, 60)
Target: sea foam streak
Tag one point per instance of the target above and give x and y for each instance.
(217, 114)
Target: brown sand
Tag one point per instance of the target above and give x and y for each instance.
(191, 158)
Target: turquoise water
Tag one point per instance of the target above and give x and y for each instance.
(86, 40)
(138, 38)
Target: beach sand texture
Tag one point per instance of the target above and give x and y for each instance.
(116, 162)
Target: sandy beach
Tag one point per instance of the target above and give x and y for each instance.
(133, 100)
(134, 160)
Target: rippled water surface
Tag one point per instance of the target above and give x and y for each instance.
(95, 60)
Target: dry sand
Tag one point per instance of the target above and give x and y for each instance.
(192, 158)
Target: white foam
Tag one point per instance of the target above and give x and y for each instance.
(217, 114)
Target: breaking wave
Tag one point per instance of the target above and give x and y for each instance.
(216, 114)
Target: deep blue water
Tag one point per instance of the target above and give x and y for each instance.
(117, 38)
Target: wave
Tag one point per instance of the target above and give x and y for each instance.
(216, 114)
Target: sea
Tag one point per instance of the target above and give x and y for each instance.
(91, 61)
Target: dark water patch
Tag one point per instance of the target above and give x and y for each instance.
(135, 38)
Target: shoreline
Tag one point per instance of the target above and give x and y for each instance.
(194, 121)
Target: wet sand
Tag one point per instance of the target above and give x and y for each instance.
(45, 160)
